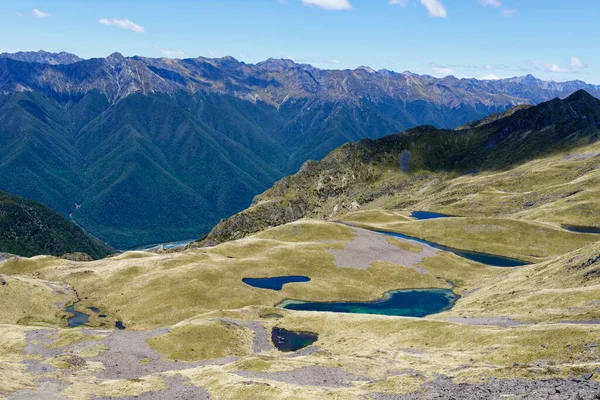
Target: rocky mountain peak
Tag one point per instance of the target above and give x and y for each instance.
(582, 96)
(43, 57)
(273, 64)
(366, 69)
(115, 57)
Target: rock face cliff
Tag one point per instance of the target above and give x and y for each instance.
(392, 171)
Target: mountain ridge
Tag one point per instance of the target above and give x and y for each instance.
(274, 81)
(342, 181)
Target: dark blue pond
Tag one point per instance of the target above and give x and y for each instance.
(119, 325)
(402, 303)
(275, 283)
(582, 229)
(287, 341)
(422, 215)
(488, 259)
(78, 318)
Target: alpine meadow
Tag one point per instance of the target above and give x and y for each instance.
(299, 199)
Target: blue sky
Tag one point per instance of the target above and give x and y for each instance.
(552, 39)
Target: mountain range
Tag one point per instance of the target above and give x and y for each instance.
(140, 151)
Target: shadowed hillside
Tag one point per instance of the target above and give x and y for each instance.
(28, 228)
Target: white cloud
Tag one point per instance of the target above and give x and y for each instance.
(329, 4)
(510, 13)
(123, 24)
(545, 67)
(435, 8)
(173, 53)
(576, 63)
(40, 14)
(442, 69)
(333, 61)
(491, 77)
(401, 3)
(490, 3)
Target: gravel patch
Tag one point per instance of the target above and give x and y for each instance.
(517, 389)
(37, 340)
(307, 351)
(44, 391)
(581, 156)
(128, 355)
(583, 322)
(470, 291)
(368, 246)
(177, 388)
(309, 376)
(503, 322)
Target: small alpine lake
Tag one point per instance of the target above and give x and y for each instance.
(274, 283)
(288, 341)
(78, 318)
(400, 303)
(424, 215)
(483, 258)
(582, 229)
(82, 319)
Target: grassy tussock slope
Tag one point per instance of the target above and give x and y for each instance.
(565, 288)
(527, 240)
(147, 290)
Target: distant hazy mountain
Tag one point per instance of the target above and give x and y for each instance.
(28, 228)
(42, 57)
(144, 150)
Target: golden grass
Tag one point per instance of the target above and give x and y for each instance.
(563, 288)
(161, 290)
(70, 337)
(526, 240)
(14, 377)
(375, 216)
(204, 341)
(307, 231)
(30, 301)
(404, 245)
